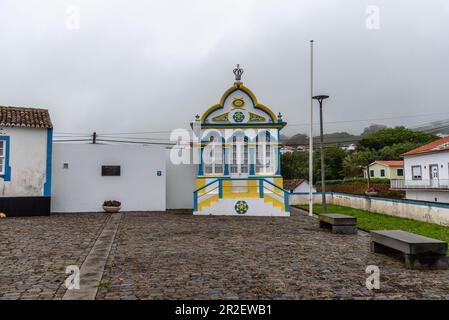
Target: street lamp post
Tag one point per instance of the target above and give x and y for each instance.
(320, 99)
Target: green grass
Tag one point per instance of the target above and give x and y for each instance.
(375, 221)
(103, 284)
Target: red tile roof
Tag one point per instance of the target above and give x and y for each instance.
(24, 117)
(391, 163)
(436, 146)
(291, 184)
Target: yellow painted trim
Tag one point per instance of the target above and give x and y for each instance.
(275, 202)
(208, 202)
(199, 183)
(238, 85)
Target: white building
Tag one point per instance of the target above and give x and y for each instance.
(85, 175)
(297, 186)
(239, 172)
(426, 172)
(351, 147)
(25, 161)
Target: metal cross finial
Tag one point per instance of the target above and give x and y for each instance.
(238, 73)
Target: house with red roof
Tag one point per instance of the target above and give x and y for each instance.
(426, 172)
(386, 169)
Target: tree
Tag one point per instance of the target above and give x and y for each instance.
(355, 163)
(395, 151)
(373, 128)
(295, 165)
(333, 162)
(390, 136)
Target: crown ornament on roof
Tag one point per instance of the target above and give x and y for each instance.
(238, 73)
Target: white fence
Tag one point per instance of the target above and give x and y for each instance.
(420, 184)
(437, 213)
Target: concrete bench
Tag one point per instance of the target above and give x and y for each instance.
(419, 252)
(338, 223)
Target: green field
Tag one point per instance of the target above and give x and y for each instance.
(376, 221)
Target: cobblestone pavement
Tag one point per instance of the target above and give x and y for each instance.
(34, 252)
(174, 255)
(180, 256)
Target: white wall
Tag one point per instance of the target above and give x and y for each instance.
(427, 212)
(440, 158)
(180, 184)
(81, 187)
(428, 195)
(28, 158)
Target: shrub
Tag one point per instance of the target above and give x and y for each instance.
(112, 203)
(355, 180)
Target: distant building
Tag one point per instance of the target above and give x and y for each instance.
(297, 185)
(25, 161)
(287, 149)
(426, 172)
(351, 147)
(386, 169)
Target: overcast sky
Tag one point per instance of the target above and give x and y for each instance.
(126, 66)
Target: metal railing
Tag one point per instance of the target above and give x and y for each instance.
(420, 184)
(263, 183)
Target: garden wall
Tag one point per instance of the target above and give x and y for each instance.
(383, 189)
(437, 213)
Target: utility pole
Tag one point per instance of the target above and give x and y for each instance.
(320, 99)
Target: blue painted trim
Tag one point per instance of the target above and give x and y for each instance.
(7, 175)
(47, 185)
(286, 203)
(200, 166)
(260, 188)
(220, 189)
(195, 201)
(226, 164)
(252, 169)
(407, 201)
(226, 176)
(268, 125)
(278, 149)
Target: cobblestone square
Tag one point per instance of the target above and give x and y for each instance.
(175, 255)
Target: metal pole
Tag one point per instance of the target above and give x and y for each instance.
(311, 134)
(323, 186)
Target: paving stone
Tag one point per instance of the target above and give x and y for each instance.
(36, 250)
(170, 255)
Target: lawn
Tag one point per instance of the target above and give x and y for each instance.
(375, 221)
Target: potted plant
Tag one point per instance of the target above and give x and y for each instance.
(372, 191)
(112, 206)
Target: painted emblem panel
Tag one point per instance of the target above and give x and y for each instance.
(238, 116)
(241, 207)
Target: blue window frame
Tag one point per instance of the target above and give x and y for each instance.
(5, 169)
(382, 172)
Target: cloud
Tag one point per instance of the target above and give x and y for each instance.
(152, 65)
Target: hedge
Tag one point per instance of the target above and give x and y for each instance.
(355, 180)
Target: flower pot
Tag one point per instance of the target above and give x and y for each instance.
(111, 209)
(371, 193)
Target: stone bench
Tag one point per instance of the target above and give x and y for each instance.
(419, 252)
(338, 223)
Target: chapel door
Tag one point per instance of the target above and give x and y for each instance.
(239, 164)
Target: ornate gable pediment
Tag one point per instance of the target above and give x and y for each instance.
(238, 105)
